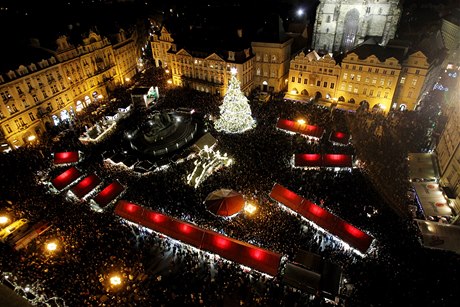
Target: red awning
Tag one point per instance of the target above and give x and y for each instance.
(246, 254)
(339, 137)
(86, 185)
(66, 157)
(337, 160)
(285, 196)
(293, 126)
(323, 218)
(308, 160)
(325, 160)
(108, 194)
(66, 178)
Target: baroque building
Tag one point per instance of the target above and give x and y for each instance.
(207, 68)
(342, 24)
(311, 75)
(58, 82)
(375, 77)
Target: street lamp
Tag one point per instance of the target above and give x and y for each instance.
(3, 219)
(250, 208)
(52, 246)
(115, 280)
(299, 12)
(301, 121)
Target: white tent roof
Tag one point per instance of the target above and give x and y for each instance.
(423, 166)
(440, 236)
(432, 199)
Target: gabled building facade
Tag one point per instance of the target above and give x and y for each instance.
(42, 94)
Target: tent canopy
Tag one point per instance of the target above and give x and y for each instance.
(432, 199)
(66, 178)
(224, 202)
(423, 166)
(440, 236)
(66, 157)
(109, 193)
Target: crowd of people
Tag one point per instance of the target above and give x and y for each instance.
(156, 270)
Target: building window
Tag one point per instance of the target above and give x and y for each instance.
(392, 72)
(8, 128)
(369, 69)
(371, 92)
(355, 90)
(258, 72)
(360, 68)
(325, 84)
(332, 84)
(345, 75)
(352, 76)
(18, 125)
(342, 87)
(364, 91)
(328, 19)
(299, 80)
(385, 95)
(346, 66)
(358, 78)
(389, 82)
(367, 80)
(382, 82)
(378, 93)
(374, 80)
(414, 82)
(409, 95)
(293, 79)
(318, 83)
(350, 87)
(417, 71)
(403, 79)
(31, 115)
(305, 81)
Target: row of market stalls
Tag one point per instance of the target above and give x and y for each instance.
(434, 206)
(81, 185)
(308, 271)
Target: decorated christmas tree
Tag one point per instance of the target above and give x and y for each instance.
(235, 112)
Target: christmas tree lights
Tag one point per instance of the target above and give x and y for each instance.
(235, 112)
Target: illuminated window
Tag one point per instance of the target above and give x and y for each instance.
(403, 79)
(371, 92)
(355, 90)
(374, 80)
(414, 82)
(350, 87)
(358, 78)
(8, 128)
(345, 76)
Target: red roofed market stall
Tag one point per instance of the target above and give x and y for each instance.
(246, 254)
(66, 178)
(323, 218)
(296, 127)
(108, 194)
(86, 185)
(339, 137)
(66, 157)
(324, 160)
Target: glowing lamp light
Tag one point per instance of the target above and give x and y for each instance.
(250, 208)
(127, 79)
(100, 96)
(222, 243)
(167, 71)
(3, 220)
(51, 246)
(169, 81)
(299, 12)
(301, 121)
(293, 92)
(115, 280)
(233, 70)
(31, 138)
(256, 253)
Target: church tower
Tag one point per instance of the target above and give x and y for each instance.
(342, 24)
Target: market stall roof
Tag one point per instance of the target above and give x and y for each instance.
(440, 236)
(66, 178)
(66, 157)
(109, 193)
(86, 185)
(432, 199)
(423, 166)
(246, 254)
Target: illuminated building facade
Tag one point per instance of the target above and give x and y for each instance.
(341, 25)
(206, 71)
(311, 75)
(380, 78)
(68, 78)
(448, 147)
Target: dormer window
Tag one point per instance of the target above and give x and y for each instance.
(231, 56)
